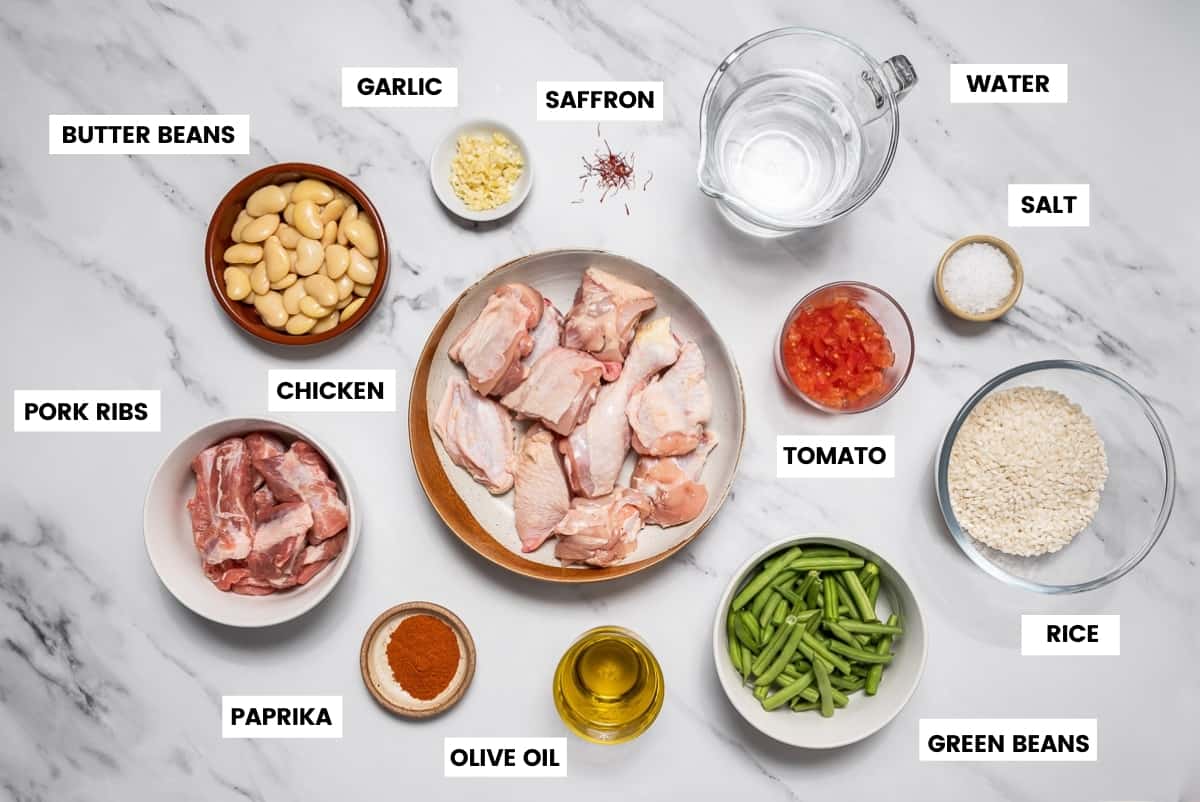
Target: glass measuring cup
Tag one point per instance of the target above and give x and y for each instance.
(797, 128)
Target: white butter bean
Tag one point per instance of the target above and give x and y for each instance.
(350, 214)
(285, 282)
(360, 233)
(292, 296)
(310, 189)
(239, 224)
(287, 188)
(361, 269)
(337, 259)
(288, 236)
(309, 255)
(278, 263)
(322, 289)
(270, 309)
(268, 200)
(289, 214)
(310, 307)
(345, 286)
(326, 323)
(352, 310)
(237, 283)
(330, 235)
(333, 211)
(243, 254)
(300, 324)
(258, 279)
(307, 220)
(349, 299)
(362, 290)
(260, 228)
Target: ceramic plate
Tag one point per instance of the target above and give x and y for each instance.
(486, 522)
(439, 171)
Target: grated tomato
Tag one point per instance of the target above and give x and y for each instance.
(836, 353)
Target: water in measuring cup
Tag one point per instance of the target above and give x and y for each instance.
(788, 145)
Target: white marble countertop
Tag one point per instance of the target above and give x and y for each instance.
(109, 689)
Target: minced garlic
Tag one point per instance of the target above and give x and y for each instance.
(485, 169)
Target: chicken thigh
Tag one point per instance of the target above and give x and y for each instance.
(492, 347)
(668, 414)
(601, 531)
(676, 496)
(546, 335)
(477, 434)
(559, 390)
(603, 319)
(541, 496)
(596, 449)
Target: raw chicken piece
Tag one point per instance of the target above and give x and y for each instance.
(492, 347)
(596, 449)
(671, 483)
(262, 445)
(667, 416)
(601, 531)
(478, 435)
(603, 319)
(221, 508)
(546, 335)
(279, 543)
(542, 497)
(300, 474)
(559, 391)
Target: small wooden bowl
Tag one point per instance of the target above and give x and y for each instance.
(1007, 304)
(219, 238)
(458, 686)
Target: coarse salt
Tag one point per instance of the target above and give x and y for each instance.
(978, 277)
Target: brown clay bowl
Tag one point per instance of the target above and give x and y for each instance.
(219, 238)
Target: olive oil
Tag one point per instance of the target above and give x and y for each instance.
(608, 687)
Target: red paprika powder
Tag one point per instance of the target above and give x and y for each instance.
(423, 655)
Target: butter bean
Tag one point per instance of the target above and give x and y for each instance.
(260, 228)
(289, 214)
(332, 211)
(243, 254)
(307, 220)
(362, 290)
(237, 283)
(350, 214)
(309, 255)
(258, 279)
(287, 189)
(292, 296)
(349, 299)
(352, 310)
(326, 323)
(292, 259)
(345, 286)
(337, 259)
(330, 235)
(360, 268)
(322, 289)
(310, 189)
(310, 307)
(268, 200)
(270, 309)
(300, 324)
(288, 236)
(277, 259)
(285, 282)
(239, 224)
(360, 233)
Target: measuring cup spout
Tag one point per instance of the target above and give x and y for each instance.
(710, 185)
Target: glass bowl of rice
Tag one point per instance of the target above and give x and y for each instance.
(1056, 476)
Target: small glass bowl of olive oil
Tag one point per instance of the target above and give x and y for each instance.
(608, 687)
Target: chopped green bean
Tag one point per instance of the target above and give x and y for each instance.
(790, 595)
(851, 685)
(826, 563)
(799, 705)
(831, 601)
(770, 650)
(768, 610)
(839, 632)
(868, 571)
(768, 632)
(859, 596)
(761, 693)
(859, 655)
(795, 632)
(871, 628)
(788, 692)
(781, 612)
(810, 579)
(873, 590)
(824, 689)
(821, 650)
(764, 578)
(784, 578)
(875, 674)
(825, 551)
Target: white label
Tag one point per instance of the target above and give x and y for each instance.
(599, 100)
(1008, 83)
(400, 87)
(506, 757)
(331, 390)
(1049, 205)
(846, 456)
(149, 134)
(1071, 635)
(87, 411)
(1008, 740)
(281, 717)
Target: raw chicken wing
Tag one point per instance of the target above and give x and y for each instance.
(596, 449)
(603, 319)
(478, 435)
(671, 483)
(601, 531)
(668, 414)
(300, 474)
(559, 391)
(492, 347)
(542, 497)
(222, 509)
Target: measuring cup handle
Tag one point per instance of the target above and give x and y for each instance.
(900, 75)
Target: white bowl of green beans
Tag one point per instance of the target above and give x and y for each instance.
(818, 642)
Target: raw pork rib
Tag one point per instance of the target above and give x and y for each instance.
(671, 483)
(478, 435)
(559, 391)
(264, 501)
(542, 497)
(262, 445)
(279, 543)
(601, 531)
(492, 347)
(603, 319)
(596, 449)
(300, 474)
(221, 508)
(318, 556)
(546, 334)
(668, 415)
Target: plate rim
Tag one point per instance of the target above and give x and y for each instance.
(429, 471)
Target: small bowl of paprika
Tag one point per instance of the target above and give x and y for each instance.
(417, 659)
(845, 347)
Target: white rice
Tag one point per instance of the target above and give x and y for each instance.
(1026, 471)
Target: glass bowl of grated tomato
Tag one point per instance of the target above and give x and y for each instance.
(845, 347)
